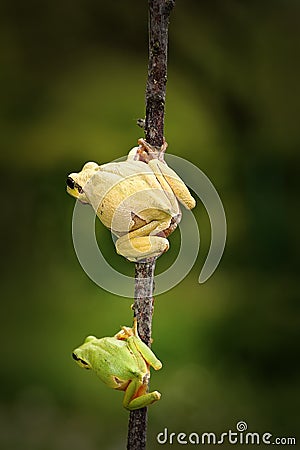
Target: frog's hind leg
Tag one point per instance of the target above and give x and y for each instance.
(136, 397)
(141, 247)
(141, 243)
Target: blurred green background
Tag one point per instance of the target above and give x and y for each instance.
(72, 86)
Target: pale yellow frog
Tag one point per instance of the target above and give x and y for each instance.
(136, 200)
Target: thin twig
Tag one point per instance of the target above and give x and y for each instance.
(158, 14)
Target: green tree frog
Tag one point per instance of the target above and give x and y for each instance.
(136, 199)
(122, 362)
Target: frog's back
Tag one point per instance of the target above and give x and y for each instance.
(125, 169)
(115, 365)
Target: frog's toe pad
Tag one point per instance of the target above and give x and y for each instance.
(156, 395)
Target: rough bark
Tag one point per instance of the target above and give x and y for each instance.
(158, 16)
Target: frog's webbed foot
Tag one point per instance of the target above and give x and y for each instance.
(124, 333)
(146, 152)
(127, 332)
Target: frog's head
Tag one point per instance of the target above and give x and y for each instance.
(82, 354)
(77, 181)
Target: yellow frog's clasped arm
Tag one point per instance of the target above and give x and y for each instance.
(137, 201)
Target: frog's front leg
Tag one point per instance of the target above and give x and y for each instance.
(139, 244)
(136, 397)
(138, 346)
(169, 179)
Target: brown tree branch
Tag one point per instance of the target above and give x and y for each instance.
(158, 15)
(159, 12)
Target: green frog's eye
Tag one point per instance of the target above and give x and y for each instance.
(70, 182)
(84, 363)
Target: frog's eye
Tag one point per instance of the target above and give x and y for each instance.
(90, 166)
(90, 339)
(70, 182)
(81, 361)
(73, 185)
